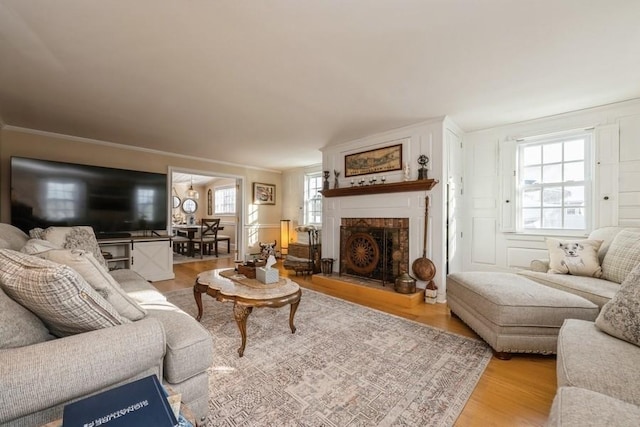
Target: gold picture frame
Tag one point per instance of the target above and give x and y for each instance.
(373, 161)
(264, 194)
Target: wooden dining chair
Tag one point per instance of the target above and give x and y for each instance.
(208, 236)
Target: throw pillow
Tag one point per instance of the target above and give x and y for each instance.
(620, 317)
(19, 326)
(576, 257)
(86, 265)
(36, 233)
(81, 237)
(56, 294)
(37, 246)
(623, 255)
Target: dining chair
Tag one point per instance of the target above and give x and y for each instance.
(207, 237)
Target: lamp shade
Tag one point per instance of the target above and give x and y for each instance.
(284, 236)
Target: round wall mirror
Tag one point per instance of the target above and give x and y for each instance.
(189, 206)
(176, 202)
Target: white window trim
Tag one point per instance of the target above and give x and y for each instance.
(511, 204)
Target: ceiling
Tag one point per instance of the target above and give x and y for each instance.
(245, 82)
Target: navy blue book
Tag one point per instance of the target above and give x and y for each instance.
(140, 403)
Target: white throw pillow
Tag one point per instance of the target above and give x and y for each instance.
(81, 237)
(576, 257)
(58, 295)
(623, 255)
(38, 246)
(86, 265)
(620, 317)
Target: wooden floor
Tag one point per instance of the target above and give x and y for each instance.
(516, 392)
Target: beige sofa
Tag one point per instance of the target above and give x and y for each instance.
(41, 372)
(598, 374)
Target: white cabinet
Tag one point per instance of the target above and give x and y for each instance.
(150, 257)
(153, 259)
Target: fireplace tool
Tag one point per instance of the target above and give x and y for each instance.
(423, 268)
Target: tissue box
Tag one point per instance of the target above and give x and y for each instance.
(267, 275)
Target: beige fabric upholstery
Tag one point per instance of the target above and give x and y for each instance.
(514, 314)
(81, 237)
(623, 255)
(620, 317)
(19, 326)
(584, 352)
(576, 407)
(13, 237)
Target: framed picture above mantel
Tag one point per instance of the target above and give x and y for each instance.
(378, 160)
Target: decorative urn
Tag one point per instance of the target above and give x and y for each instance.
(405, 284)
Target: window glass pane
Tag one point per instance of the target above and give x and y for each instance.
(552, 153)
(574, 150)
(552, 218)
(552, 173)
(531, 218)
(531, 198)
(532, 175)
(552, 196)
(532, 155)
(574, 219)
(574, 195)
(574, 171)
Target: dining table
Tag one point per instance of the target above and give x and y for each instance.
(189, 231)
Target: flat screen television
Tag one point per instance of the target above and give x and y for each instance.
(113, 201)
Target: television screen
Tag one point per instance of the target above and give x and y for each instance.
(46, 193)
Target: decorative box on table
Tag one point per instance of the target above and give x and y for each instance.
(249, 268)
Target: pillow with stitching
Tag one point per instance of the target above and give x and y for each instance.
(79, 237)
(55, 293)
(38, 246)
(623, 255)
(575, 257)
(86, 265)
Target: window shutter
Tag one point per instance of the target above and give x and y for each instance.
(607, 152)
(507, 197)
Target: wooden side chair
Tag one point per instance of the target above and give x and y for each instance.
(208, 236)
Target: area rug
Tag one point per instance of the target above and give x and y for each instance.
(346, 365)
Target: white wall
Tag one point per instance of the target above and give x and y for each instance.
(485, 246)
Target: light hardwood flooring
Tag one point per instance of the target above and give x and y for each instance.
(516, 392)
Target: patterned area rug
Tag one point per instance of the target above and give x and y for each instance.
(346, 365)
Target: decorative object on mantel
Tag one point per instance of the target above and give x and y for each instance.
(372, 161)
(391, 187)
(336, 184)
(422, 161)
(407, 172)
(325, 184)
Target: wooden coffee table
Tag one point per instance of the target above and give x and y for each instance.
(226, 285)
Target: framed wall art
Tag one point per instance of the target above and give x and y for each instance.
(264, 194)
(373, 161)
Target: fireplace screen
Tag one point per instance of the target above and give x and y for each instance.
(371, 252)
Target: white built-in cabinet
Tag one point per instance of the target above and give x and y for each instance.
(151, 257)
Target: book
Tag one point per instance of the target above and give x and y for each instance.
(142, 402)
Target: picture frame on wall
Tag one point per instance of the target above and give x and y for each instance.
(378, 160)
(264, 194)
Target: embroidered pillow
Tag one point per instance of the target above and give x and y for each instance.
(623, 255)
(620, 317)
(62, 299)
(81, 237)
(576, 257)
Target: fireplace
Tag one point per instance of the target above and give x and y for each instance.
(374, 248)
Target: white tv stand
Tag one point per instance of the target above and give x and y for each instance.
(149, 256)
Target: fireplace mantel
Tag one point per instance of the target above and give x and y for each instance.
(392, 187)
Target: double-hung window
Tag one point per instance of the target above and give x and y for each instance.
(554, 183)
(313, 198)
(225, 200)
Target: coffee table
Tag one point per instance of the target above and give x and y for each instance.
(226, 285)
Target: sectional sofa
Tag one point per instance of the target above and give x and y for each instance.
(69, 328)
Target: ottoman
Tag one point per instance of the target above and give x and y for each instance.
(512, 313)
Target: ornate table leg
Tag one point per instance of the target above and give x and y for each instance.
(198, 290)
(241, 312)
(292, 312)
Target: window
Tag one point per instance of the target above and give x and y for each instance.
(553, 183)
(313, 198)
(225, 200)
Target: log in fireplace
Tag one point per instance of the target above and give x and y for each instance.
(374, 248)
